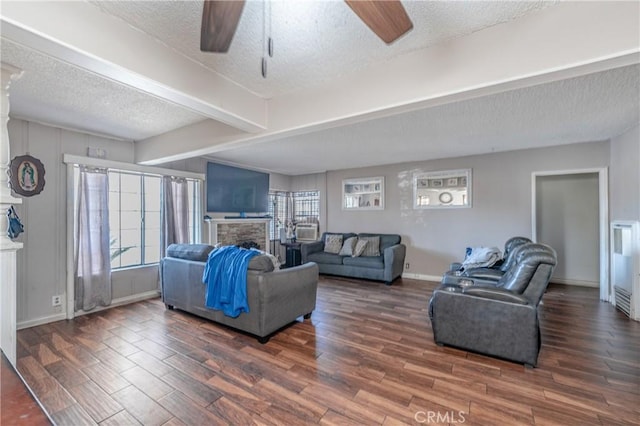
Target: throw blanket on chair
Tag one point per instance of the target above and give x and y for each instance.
(225, 276)
(481, 257)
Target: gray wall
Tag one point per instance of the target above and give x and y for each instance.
(567, 218)
(42, 262)
(435, 237)
(501, 205)
(624, 176)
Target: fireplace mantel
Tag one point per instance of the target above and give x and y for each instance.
(237, 231)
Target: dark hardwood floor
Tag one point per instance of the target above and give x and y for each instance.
(17, 406)
(366, 357)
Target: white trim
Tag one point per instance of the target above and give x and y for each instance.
(422, 277)
(70, 305)
(40, 321)
(114, 303)
(131, 167)
(580, 283)
(123, 301)
(603, 220)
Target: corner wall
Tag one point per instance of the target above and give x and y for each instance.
(42, 262)
(624, 179)
(435, 237)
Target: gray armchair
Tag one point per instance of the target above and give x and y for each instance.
(497, 320)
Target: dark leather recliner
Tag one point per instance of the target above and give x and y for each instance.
(500, 319)
(497, 270)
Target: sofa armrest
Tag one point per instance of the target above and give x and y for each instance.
(495, 294)
(483, 273)
(286, 294)
(451, 278)
(394, 261)
(307, 248)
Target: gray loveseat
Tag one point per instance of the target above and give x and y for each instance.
(385, 267)
(275, 297)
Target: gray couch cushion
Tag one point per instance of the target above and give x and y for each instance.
(261, 263)
(348, 246)
(322, 257)
(373, 245)
(333, 243)
(196, 252)
(386, 240)
(361, 245)
(374, 262)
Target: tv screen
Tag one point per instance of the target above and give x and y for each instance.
(235, 190)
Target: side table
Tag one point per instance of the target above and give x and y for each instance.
(293, 254)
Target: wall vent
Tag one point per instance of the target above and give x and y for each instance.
(623, 300)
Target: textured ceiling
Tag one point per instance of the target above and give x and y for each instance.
(584, 109)
(315, 41)
(53, 92)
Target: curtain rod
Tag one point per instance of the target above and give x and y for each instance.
(131, 167)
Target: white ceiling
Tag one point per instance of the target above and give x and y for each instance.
(314, 40)
(317, 43)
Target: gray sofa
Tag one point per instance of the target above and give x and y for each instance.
(386, 267)
(275, 297)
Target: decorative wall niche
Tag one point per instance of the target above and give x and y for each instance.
(444, 189)
(363, 194)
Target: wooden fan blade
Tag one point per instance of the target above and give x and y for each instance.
(219, 22)
(387, 19)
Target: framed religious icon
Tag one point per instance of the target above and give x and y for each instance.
(26, 175)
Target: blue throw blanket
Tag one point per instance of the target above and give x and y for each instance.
(225, 276)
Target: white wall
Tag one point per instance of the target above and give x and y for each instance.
(624, 177)
(42, 262)
(435, 237)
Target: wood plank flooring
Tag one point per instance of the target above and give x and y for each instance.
(17, 406)
(366, 357)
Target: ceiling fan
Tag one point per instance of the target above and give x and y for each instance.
(387, 19)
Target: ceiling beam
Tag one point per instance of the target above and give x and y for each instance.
(80, 34)
(563, 41)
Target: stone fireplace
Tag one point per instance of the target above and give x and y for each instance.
(238, 231)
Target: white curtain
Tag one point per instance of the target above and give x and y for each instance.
(175, 212)
(92, 257)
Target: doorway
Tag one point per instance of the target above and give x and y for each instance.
(570, 213)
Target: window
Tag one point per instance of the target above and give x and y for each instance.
(134, 219)
(306, 207)
(134, 216)
(299, 207)
(278, 211)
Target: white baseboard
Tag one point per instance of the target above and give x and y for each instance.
(123, 301)
(580, 283)
(422, 277)
(115, 302)
(40, 321)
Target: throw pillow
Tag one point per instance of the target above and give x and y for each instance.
(348, 246)
(373, 246)
(197, 252)
(359, 249)
(333, 243)
(260, 263)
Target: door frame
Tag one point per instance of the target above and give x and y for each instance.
(603, 218)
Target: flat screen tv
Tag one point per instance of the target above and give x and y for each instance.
(235, 190)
